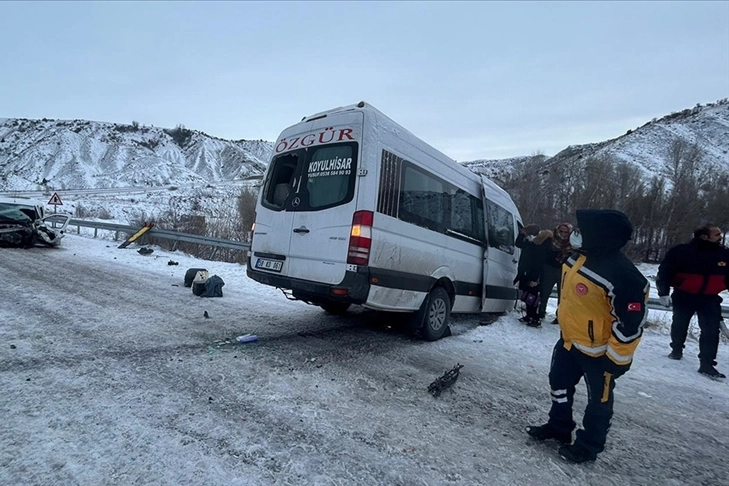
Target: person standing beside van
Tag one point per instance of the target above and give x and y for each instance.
(557, 250)
(698, 271)
(529, 272)
(602, 313)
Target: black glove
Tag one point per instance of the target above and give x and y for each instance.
(614, 369)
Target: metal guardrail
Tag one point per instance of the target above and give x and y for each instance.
(160, 233)
(654, 304)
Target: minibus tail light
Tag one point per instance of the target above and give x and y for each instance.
(360, 238)
(253, 230)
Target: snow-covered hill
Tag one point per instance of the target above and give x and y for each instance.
(76, 154)
(647, 146)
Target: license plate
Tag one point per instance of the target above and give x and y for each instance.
(272, 265)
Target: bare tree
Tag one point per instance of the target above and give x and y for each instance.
(246, 212)
(717, 202)
(596, 188)
(686, 171)
(527, 185)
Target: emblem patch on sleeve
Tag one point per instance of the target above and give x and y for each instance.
(635, 306)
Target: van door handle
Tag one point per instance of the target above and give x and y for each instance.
(303, 229)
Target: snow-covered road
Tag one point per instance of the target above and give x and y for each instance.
(110, 374)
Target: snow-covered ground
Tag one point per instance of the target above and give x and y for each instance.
(111, 374)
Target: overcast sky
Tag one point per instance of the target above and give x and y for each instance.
(474, 79)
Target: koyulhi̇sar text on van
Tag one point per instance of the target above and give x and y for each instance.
(354, 209)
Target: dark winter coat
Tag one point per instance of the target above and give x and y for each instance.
(699, 267)
(603, 301)
(532, 258)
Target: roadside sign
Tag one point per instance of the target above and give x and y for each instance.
(55, 200)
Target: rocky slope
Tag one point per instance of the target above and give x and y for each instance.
(76, 154)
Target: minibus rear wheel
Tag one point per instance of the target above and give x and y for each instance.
(433, 316)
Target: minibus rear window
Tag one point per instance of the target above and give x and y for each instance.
(330, 175)
(281, 179)
(312, 179)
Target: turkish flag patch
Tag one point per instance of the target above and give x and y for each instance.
(635, 306)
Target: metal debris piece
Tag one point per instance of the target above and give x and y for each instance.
(445, 381)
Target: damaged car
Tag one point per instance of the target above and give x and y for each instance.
(24, 223)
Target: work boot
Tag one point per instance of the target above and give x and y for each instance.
(576, 453)
(524, 319)
(711, 372)
(534, 322)
(675, 355)
(545, 432)
(555, 321)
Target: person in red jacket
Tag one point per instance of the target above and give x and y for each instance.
(698, 271)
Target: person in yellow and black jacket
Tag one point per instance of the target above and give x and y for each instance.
(601, 315)
(698, 271)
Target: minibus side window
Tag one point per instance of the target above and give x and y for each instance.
(479, 226)
(388, 197)
(415, 196)
(500, 227)
(466, 214)
(422, 200)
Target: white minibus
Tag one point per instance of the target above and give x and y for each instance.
(355, 209)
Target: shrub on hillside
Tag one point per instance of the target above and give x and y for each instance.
(180, 135)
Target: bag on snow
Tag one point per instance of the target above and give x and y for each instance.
(529, 298)
(213, 287)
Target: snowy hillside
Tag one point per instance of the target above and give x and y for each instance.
(646, 146)
(76, 154)
(65, 154)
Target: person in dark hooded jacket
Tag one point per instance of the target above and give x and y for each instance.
(601, 315)
(529, 272)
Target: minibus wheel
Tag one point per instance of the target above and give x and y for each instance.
(336, 308)
(434, 314)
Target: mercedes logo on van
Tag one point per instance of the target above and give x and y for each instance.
(295, 203)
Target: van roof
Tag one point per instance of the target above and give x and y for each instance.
(497, 194)
(402, 132)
